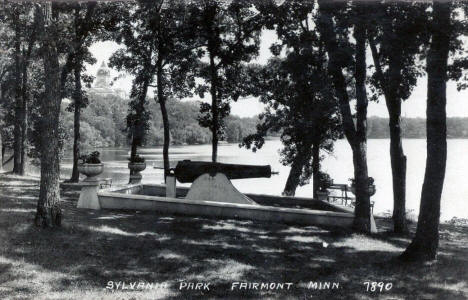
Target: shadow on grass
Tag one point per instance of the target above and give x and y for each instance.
(95, 247)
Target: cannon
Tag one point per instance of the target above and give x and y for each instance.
(188, 171)
(211, 181)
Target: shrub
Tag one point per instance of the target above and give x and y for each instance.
(325, 181)
(137, 159)
(92, 158)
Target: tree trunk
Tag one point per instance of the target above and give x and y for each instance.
(214, 108)
(24, 113)
(75, 177)
(1, 150)
(362, 211)
(3, 153)
(397, 156)
(24, 141)
(165, 118)
(49, 213)
(356, 136)
(212, 32)
(138, 128)
(133, 149)
(398, 162)
(303, 157)
(2, 146)
(293, 178)
(18, 102)
(335, 66)
(316, 168)
(18, 151)
(80, 33)
(426, 241)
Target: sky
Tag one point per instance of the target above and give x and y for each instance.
(415, 106)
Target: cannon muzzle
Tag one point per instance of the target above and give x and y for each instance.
(187, 171)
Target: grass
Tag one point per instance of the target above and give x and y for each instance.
(78, 260)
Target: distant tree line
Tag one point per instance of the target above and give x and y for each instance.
(103, 124)
(412, 128)
(415, 128)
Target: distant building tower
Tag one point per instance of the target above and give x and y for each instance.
(103, 78)
(102, 84)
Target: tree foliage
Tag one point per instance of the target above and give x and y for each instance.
(296, 91)
(157, 48)
(231, 37)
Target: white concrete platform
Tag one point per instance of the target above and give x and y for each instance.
(129, 198)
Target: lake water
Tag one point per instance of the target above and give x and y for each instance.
(339, 166)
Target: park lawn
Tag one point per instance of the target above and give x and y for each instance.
(78, 260)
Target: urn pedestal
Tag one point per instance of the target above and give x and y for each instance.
(88, 195)
(135, 169)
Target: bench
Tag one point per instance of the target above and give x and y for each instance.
(344, 198)
(105, 183)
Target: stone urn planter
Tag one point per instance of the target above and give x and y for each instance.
(91, 167)
(371, 186)
(135, 169)
(323, 195)
(325, 182)
(91, 170)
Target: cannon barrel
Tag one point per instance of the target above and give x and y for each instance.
(187, 171)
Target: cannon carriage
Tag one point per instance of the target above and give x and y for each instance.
(211, 181)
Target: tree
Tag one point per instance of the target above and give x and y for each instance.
(4, 68)
(174, 63)
(137, 58)
(334, 28)
(83, 27)
(22, 42)
(399, 32)
(426, 241)
(1, 143)
(231, 33)
(161, 52)
(54, 24)
(138, 115)
(312, 113)
(49, 213)
(297, 94)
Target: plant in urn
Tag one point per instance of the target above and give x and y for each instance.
(370, 186)
(91, 166)
(325, 182)
(136, 164)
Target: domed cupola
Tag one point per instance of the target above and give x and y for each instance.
(103, 76)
